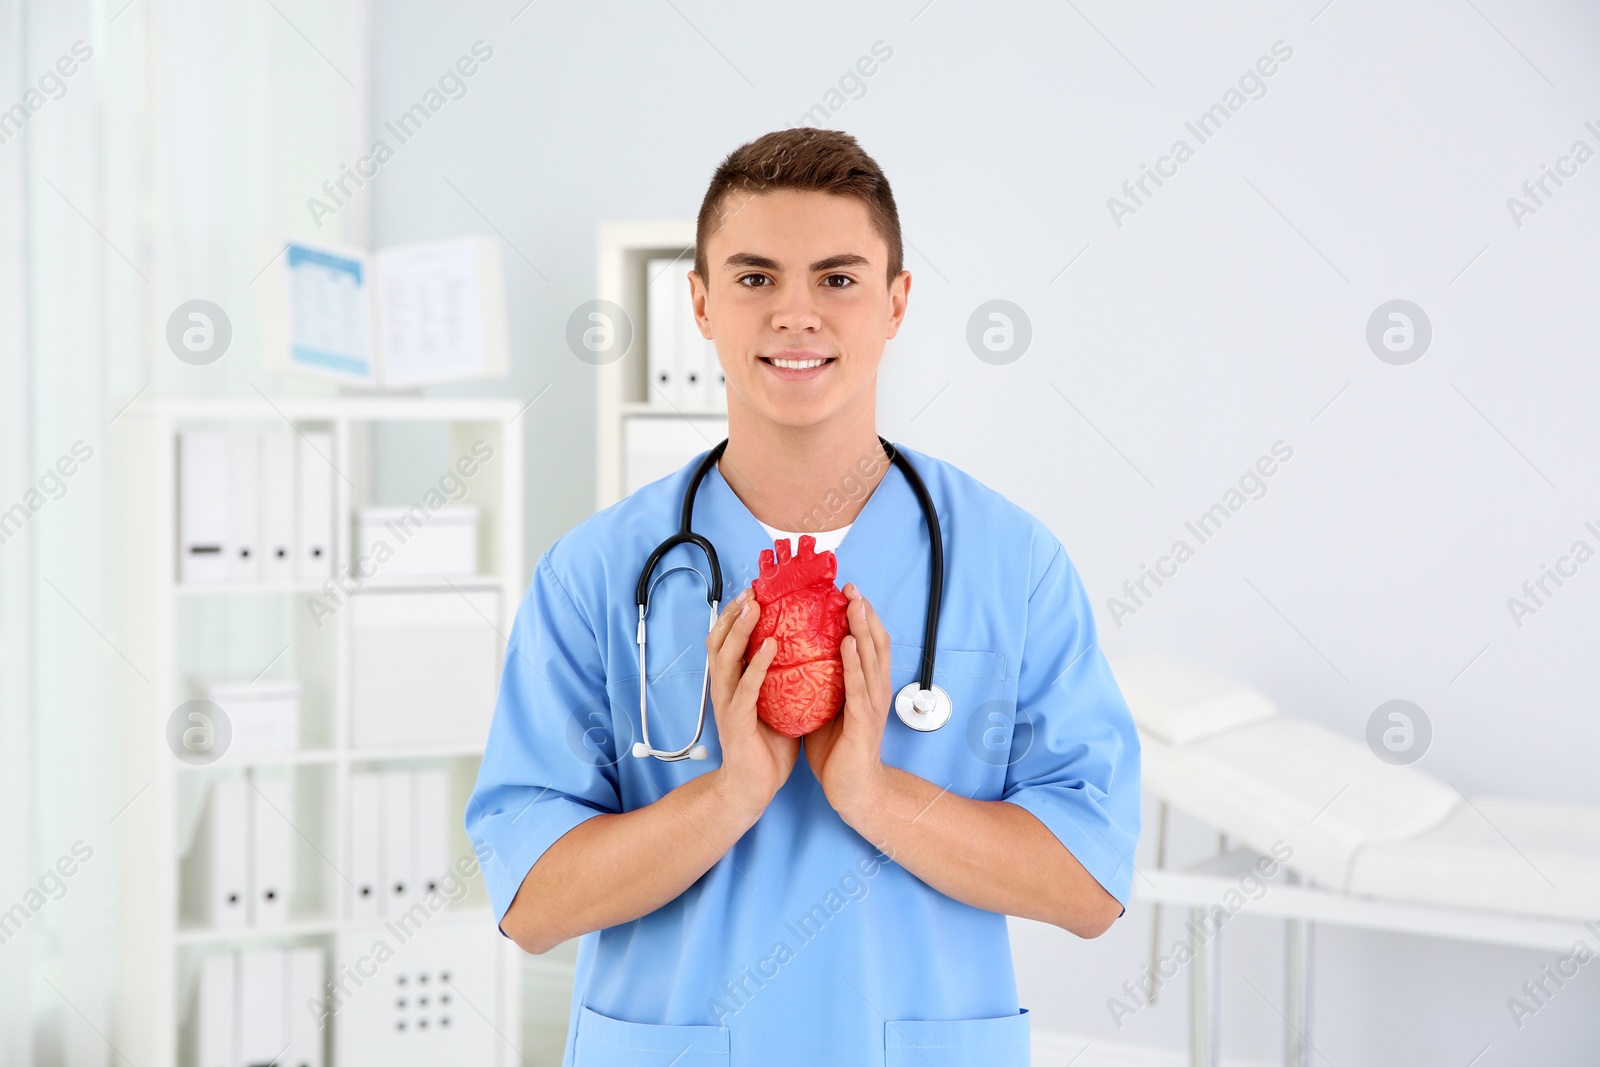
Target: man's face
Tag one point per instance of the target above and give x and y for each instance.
(798, 276)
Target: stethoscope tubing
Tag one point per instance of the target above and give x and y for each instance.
(686, 535)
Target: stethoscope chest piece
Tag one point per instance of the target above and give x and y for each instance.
(924, 710)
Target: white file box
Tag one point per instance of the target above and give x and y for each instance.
(424, 666)
(411, 542)
(264, 716)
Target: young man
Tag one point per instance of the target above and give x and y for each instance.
(846, 908)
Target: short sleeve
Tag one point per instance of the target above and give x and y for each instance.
(1075, 752)
(541, 774)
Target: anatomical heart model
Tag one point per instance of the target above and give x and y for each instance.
(805, 613)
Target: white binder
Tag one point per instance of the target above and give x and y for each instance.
(212, 1021)
(223, 861)
(365, 869)
(278, 506)
(271, 841)
(260, 1021)
(314, 478)
(399, 837)
(665, 296)
(702, 373)
(202, 506)
(305, 1004)
(244, 493)
(432, 818)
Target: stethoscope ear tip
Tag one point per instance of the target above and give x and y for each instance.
(640, 749)
(698, 752)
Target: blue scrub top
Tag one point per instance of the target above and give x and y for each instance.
(804, 944)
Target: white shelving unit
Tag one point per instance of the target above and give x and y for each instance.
(623, 387)
(171, 632)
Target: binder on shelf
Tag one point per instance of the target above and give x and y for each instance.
(278, 506)
(664, 298)
(211, 1021)
(303, 987)
(243, 493)
(218, 861)
(314, 481)
(399, 843)
(203, 506)
(702, 372)
(431, 817)
(260, 1021)
(271, 840)
(365, 836)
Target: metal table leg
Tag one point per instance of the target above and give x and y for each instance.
(1205, 999)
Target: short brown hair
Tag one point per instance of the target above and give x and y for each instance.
(808, 159)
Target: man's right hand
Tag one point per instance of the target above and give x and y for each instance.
(756, 759)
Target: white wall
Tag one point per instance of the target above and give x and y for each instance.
(1227, 313)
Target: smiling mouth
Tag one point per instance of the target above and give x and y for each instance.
(796, 364)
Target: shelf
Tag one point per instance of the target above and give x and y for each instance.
(301, 757)
(315, 928)
(204, 589)
(329, 408)
(647, 407)
(311, 757)
(407, 752)
(188, 631)
(199, 589)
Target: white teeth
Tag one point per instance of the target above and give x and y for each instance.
(797, 364)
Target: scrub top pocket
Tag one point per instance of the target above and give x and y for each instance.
(607, 1042)
(1001, 1042)
(970, 753)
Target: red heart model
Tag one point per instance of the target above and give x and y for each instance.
(803, 610)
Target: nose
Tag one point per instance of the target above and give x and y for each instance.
(796, 310)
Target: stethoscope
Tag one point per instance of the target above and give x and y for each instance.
(921, 705)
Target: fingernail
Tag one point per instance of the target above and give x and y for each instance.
(744, 611)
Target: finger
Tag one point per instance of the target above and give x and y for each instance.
(880, 642)
(856, 694)
(731, 655)
(725, 621)
(861, 622)
(750, 684)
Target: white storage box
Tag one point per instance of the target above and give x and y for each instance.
(264, 716)
(424, 666)
(409, 542)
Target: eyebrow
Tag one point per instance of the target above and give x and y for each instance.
(750, 259)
